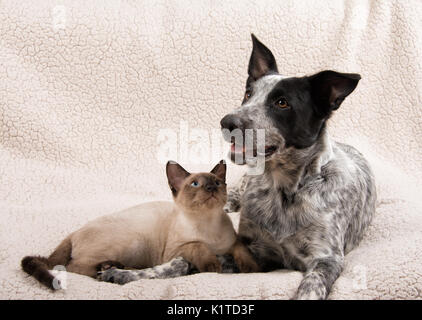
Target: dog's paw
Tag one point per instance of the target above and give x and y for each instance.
(309, 295)
(118, 276)
(311, 289)
(230, 206)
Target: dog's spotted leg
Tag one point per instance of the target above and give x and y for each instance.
(297, 252)
(177, 267)
(234, 195)
(174, 268)
(318, 280)
(318, 253)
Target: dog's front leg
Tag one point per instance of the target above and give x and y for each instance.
(233, 200)
(319, 278)
(176, 267)
(234, 194)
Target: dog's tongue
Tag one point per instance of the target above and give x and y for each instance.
(238, 149)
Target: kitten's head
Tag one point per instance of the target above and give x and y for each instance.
(198, 191)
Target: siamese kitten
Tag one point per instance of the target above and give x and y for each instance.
(194, 227)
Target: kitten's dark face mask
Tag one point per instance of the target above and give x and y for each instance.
(198, 191)
(203, 190)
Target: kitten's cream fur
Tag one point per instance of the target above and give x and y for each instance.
(194, 227)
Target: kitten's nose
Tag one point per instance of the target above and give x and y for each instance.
(211, 187)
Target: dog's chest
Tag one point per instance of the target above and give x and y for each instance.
(275, 211)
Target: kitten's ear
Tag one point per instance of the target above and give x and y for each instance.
(220, 170)
(330, 88)
(175, 176)
(262, 60)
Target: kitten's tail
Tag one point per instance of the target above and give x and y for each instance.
(39, 267)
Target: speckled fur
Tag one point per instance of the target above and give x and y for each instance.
(174, 268)
(302, 216)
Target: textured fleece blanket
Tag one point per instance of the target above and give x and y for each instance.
(92, 92)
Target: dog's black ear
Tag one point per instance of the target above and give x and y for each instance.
(175, 176)
(262, 60)
(330, 88)
(220, 170)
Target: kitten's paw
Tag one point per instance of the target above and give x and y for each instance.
(244, 260)
(105, 265)
(210, 266)
(247, 265)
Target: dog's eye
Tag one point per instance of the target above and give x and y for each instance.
(282, 103)
(195, 184)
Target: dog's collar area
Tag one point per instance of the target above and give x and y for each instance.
(303, 167)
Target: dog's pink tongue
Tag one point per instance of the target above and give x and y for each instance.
(237, 149)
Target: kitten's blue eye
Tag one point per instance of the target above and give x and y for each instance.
(217, 183)
(195, 184)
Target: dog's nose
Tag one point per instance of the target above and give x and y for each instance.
(211, 187)
(232, 122)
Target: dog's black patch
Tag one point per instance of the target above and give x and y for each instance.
(310, 101)
(307, 102)
(298, 123)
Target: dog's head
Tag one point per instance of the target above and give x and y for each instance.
(293, 111)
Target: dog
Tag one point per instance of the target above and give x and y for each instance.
(315, 198)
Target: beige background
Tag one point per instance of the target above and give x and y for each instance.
(86, 86)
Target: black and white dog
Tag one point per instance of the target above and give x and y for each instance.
(316, 197)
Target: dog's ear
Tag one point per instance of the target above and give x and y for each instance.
(262, 60)
(330, 88)
(175, 176)
(220, 170)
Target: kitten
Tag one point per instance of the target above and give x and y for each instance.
(194, 227)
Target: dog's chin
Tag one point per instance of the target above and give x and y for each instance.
(241, 156)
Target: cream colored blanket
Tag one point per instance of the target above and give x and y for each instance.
(92, 95)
